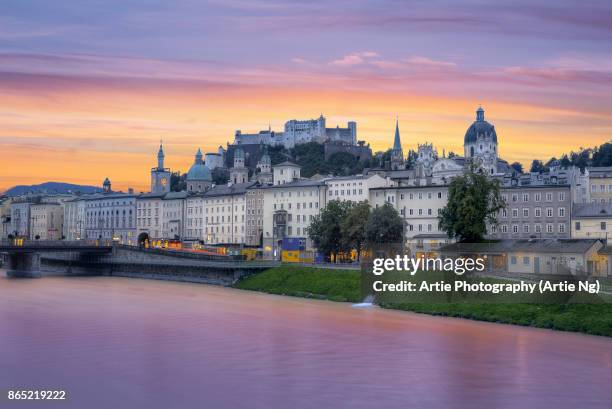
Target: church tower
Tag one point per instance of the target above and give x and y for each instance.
(480, 143)
(239, 173)
(264, 169)
(160, 176)
(397, 155)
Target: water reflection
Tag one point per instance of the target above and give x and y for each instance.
(115, 342)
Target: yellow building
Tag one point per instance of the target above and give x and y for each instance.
(592, 221)
(600, 184)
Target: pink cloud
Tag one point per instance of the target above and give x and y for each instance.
(355, 58)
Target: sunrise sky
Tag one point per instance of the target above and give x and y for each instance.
(87, 89)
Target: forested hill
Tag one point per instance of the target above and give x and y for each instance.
(311, 157)
(585, 157)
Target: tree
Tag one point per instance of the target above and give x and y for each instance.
(517, 166)
(353, 226)
(178, 182)
(384, 225)
(325, 231)
(537, 166)
(474, 200)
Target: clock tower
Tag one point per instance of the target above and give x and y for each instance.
(160, 176)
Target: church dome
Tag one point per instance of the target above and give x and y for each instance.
(199, 171)
(479, 127)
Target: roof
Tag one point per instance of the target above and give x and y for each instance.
(397, 144)
(287, 163)
(228, 190)
(524, 246)
(297, 183)
(600, 171)
(199, 171)
(175, 195)
(479, 127)
(595, 210)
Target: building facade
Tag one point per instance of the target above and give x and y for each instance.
(600, 184)
(289, 208)
(592, 221)
(534, 211)
(419, 207)
(111, 217)
(46, 221)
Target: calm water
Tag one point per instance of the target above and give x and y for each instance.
(118, 342)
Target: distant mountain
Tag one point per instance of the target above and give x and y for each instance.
(51, 188)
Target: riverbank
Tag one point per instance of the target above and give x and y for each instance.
(345, 286)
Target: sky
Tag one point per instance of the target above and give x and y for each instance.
(88, 89)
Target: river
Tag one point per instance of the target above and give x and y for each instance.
(128, 343)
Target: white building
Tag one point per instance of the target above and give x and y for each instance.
(111, 216)
(193, 226)
(285, 172)
(225, 214)
(288, 210)
(74, 218)
(20, 218)
(353, 188)
(46, 221)
(173, 214)
(149, 217)
(419, 206)
(301, 131)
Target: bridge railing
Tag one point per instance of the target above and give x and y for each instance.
(20, 242)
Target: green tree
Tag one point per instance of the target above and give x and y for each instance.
(353, 226)
(474, 200)
(384, 225)
(517, 167)
(325, 230)
(537, 166)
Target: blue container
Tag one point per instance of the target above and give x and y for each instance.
(293, 243)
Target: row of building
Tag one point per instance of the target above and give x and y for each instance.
(262, 208)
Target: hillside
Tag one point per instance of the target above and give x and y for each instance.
(51, 188)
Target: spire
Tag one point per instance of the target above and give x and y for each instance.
(198, 156)
(160, 156)
(480, 114)
(397, 144)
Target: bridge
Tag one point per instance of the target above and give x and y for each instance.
(29, 258)
(24, 255)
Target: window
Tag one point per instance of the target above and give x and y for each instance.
(561, 227)
(515, 198)
(549, 212)
(577, 225)
(561, 212)
(526, 228)
(602, 225)
(561, 196)
(515, 228)
(512, 259)
(504, 213)
(525, 212)
(526, 260)
(549, 197)
(538, 212)
(525, 197)
(504, 228)
(514, 213)
(549, 228)
(538, 228)
(538, 197)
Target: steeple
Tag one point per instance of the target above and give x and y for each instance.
(160, 156)
(480, 114)
(397, 144)
(198, 156)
